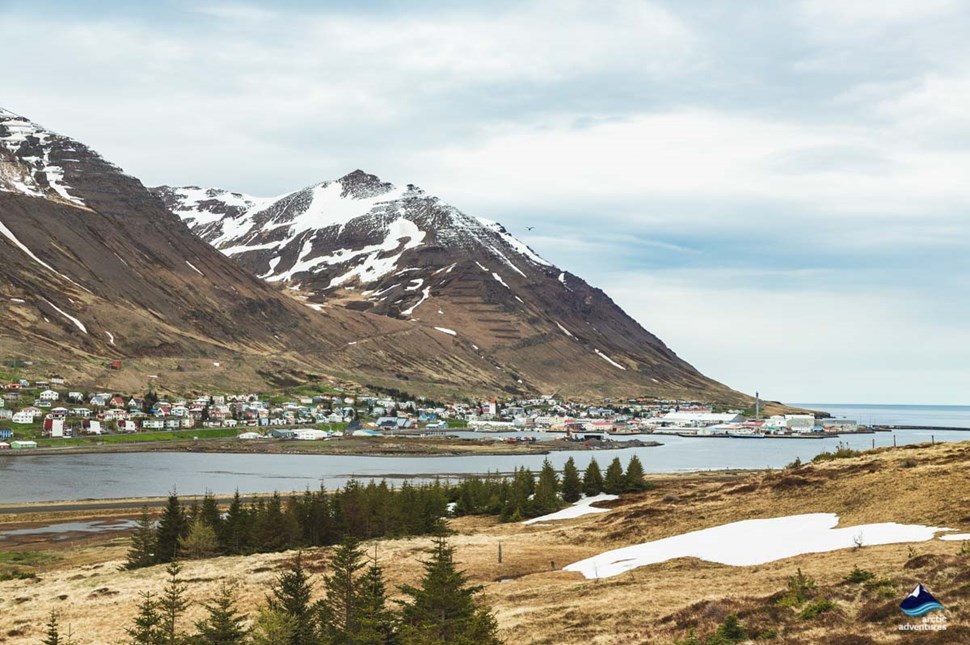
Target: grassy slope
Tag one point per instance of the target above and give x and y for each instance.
(539, 603)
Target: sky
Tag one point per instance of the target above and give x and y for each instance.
(779, 191)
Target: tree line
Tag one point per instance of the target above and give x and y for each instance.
(442, 609)
(524, 495)
(375, 510)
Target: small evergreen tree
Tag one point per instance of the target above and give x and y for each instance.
(148, 629)
(634, 475)
(223, 625)
(572, 487)
(339, 610)
(291, 598)
(172, 527)
(375, 624)
(273, 628)
(141, 553)
(200, 542)
(546, 498)
(443, 608)
(614, 483)
(592, 479)
(52, 636)
(234, 531)
(172, 605)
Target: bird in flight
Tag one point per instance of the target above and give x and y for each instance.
(529, 228)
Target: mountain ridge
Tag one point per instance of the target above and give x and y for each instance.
(362, 243)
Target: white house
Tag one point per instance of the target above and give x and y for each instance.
(22, 417)
(57, 428)
(49, 395)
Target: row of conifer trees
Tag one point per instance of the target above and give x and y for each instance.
(443, 608)
(363, 511)
(525, 495)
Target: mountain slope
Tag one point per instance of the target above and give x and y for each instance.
(362, 244)
(95, 268)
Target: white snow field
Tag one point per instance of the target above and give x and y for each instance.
(752, 542)
(580, 508)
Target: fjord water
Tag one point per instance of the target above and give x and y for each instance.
(26, 478)
(944, 416)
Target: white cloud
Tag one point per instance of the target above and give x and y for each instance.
(873, 345)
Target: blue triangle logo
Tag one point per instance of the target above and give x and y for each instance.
(919, 602)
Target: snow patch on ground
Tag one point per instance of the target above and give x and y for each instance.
(192, 266)
(509, 239)
(111, 338)
(445, 330)
(425, 294)
(754, 542)
(74, 320)
(580, 508)
(606, 358)
(564, 330)
(955, 537)
(501, 281)
(7, 233)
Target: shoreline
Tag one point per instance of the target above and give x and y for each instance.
(354, 447)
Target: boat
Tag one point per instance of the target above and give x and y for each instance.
(746, 434)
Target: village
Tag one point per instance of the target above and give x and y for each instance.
(43, 411)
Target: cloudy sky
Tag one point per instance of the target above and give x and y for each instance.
(778, 190)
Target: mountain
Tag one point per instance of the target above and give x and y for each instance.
(361, 244)
(95, 269)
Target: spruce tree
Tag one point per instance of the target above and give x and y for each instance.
(572, 487)
(546, 498)
(172, 527)
(291, 598)
(223, 625)
(141, 553)
(148, 629)
(634, 475)
(614, 483)
(592, 479)
(172, 605)
(375, 624)
(233, 531)
(52, 636)
(338, 610)
(209, 512)
(443, 608)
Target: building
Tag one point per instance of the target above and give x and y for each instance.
(22, 445)
(22, 417)
(698, 418)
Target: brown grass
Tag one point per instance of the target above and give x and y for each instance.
(536, 602)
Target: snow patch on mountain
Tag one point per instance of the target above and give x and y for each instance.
(34, 172)
(608, 359)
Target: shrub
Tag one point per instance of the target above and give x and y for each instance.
(801, 587)
(858, 576)
(814, 609)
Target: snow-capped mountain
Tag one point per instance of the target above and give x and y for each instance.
(361, 243)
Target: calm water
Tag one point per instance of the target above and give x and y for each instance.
(903, 415)
(97, 476)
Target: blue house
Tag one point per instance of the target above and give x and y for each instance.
(6, 433)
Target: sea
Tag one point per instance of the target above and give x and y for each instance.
(46, 478)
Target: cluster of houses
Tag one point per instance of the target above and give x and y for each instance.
(52, 409)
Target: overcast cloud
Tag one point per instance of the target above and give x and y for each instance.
(778, 190)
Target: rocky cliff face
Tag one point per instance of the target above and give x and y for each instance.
(361, 244)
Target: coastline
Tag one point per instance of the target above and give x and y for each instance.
(351, 447)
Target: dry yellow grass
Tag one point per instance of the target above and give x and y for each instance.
(536, 602)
